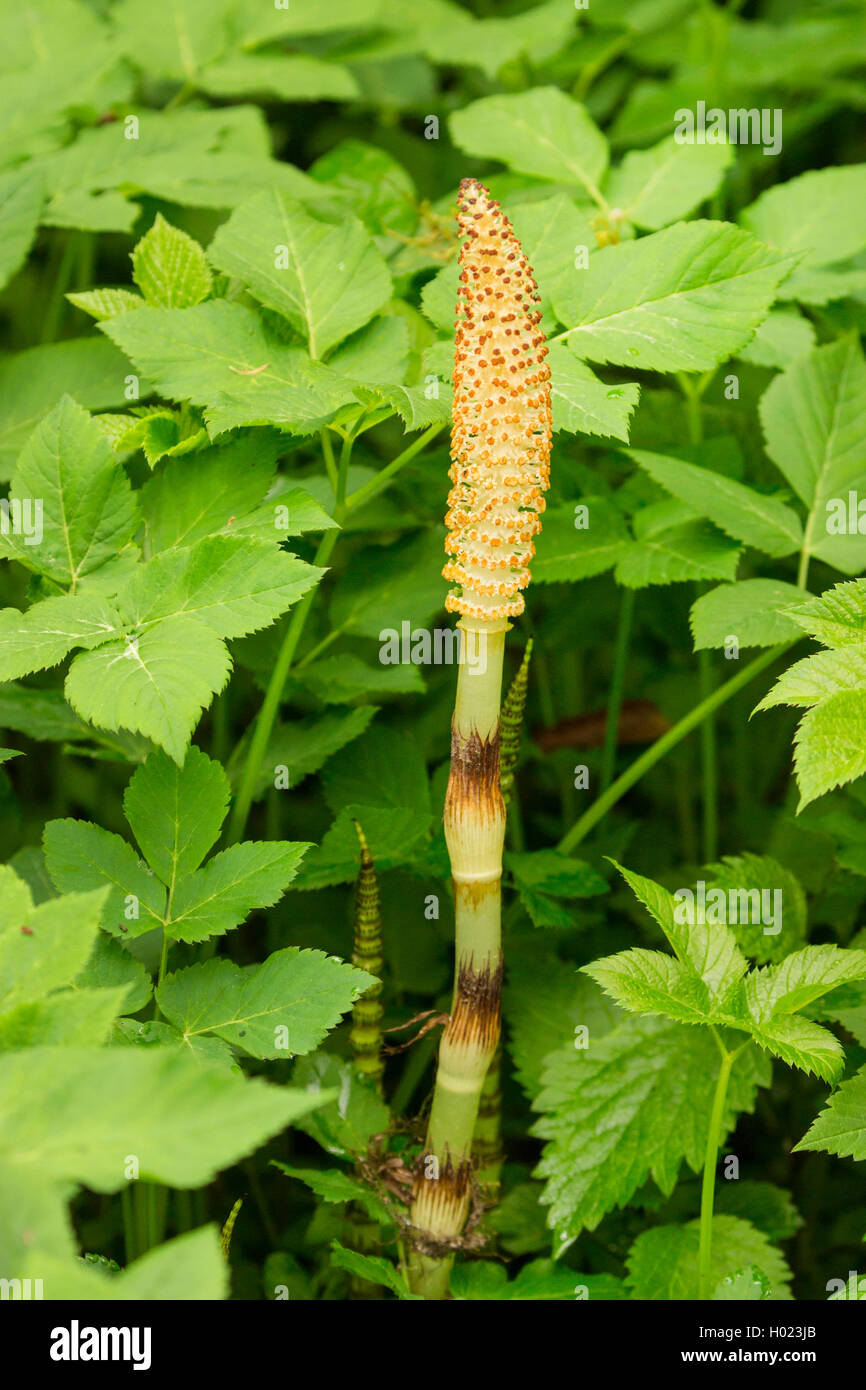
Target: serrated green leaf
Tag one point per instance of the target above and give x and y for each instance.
(392, 832)
(663, 1263)
(232, 884)
(105, 303)
(812, 417)
(87, 509)
(741, 512)
(81, 857)
(654, 187)
(818, 215)
(219, 356)
(752, 611)
(182, 1122)
(841, 1126)
(281, 1008)
(673, 554)
(42, 948)
(21, 199)
(682, 299)
(175, 812)
(541, 132)
(581, 402)
(632, 1105)
(577, 544)
(326, 279)
(156, 683)
(43, 635)
(170, 268)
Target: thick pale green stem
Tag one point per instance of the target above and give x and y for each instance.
(708, 1186)
(474, 832)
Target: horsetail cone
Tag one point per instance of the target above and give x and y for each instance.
(500, 449)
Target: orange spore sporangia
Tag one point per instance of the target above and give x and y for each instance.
(502, 423)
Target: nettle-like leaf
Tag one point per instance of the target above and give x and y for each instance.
(682, 299)
(579, 542)
(741, 512)
(176, 813)
(541, 132)
(841, 1126)
(813, 415)
(818, 215)
(669, 547)
(706, 983)
(281, 1008)
(170, 268)
(663, 1263)
(752, 611)
(156, 653)
(87, 509)
(633, 1104)
(831, 686)
(654, 187)
(220, 356)
(326, 279)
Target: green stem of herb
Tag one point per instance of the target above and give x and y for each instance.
(328, 454)
(708, 1185)
(709, 764)
(382, 479)
(57, 301)
(614, 701)
(663, 745)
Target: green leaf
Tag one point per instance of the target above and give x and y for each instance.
(545, 875)
(182, 1121)
(819, 215)
(214, 899)
(305, 745)
(654, 187)
(336, 1186)
(683, 299)
(746, 873)
(286, 76)
(340, 679)
(190, 1267)
(282, 1008)
(384, 768)
(108, 966)
(326, 279)
(184, 501)
(579, 542)
(49, 630)
(841, 1126)
(541, 132)
(583, 403)
(42, 948)
(87, 509)
(373, 1268)
(538, 1280)
(173, 38)
(231, 586)
(392, 832)
(81, 857)
(73, 1017)
(663, 1262)
(462, 40)
(170, 268)
(632, 1105)
(671, 554)
(747, 1285)
(348, 1109)
(741, 512)
(176, 811)
(219, 356)
(784, 336)
(386, 586)
(32, 382)
(157, 683)
(752, 611)
(105, 303)
(21, 199)
(812, 417)
(837, 618)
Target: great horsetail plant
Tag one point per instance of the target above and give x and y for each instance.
(365, 1038)
(500, 449)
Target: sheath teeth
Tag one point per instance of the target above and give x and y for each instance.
(500, 440)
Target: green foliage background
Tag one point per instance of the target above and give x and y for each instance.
(227, 252)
